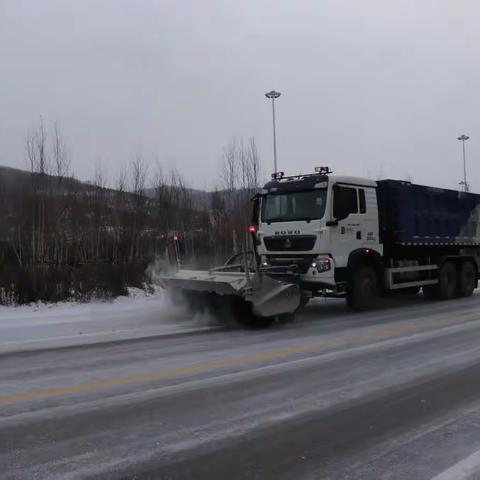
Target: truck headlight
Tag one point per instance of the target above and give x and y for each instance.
(322, 264)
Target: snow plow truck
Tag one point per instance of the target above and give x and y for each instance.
(338, 236)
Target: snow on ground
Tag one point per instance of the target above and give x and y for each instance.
(138, 315)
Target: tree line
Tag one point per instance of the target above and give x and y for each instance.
(62, 238)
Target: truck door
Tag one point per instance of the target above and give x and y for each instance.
(349, 233)
(368, 217)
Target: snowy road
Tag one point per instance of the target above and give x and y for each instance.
(67, 324)
(390, 394)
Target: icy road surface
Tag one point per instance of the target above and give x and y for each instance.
(70, 323)
(390, 394)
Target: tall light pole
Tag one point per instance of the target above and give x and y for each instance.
(273, 95)
(463, 138)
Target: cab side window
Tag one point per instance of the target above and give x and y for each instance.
(361, 198)
(344, 201)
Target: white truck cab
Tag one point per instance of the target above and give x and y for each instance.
(317, 222)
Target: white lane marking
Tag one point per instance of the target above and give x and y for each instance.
(462, 470)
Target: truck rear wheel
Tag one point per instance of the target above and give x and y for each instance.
(363, 290)
(467, 279)
(446, 288)
(447, 281)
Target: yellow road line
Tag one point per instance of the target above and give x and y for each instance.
(380, 334)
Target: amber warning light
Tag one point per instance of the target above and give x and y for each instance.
(323, 170)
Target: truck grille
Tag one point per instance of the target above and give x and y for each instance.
(303, 262)
(296, 243)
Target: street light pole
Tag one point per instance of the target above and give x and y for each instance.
(273, 95)
(463, 138)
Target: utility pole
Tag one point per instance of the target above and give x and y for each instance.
(273, 95)
(463, 138)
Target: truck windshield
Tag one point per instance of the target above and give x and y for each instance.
(294, 206)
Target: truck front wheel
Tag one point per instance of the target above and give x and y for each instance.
(467, 279)
(362, 292)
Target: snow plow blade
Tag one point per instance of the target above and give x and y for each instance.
(256, 294)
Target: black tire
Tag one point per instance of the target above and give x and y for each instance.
(467, 279)
(447, 281)
(446, 288)
(362, 293)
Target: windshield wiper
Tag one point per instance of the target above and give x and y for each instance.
(276, 219)
(281, 219)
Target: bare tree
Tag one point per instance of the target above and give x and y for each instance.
(158, 184)
(42, 148)
(230, 179)
(229, 166)
(31, 149)
(138, 172)
(122, 179)
(240, 178)
(162, 194)
(100, 174)
(36, 148)
(138, 177)
(61, 160)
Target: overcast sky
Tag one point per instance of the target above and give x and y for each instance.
(380, 88)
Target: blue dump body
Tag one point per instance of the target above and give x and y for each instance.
(419, 215)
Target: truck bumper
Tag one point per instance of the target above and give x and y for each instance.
(314, 277)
